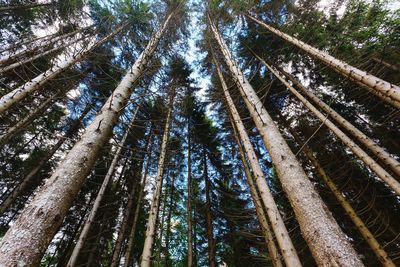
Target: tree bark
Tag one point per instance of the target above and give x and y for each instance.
(42, 54)
(323, 235)
(13, 97)
(32, 174)
(13, 56)
(151, 224)
(29, 237)
(378, 151)
(288, 251)
(27, 6)
(383, 89)
(261, 216)
(358, 151)
(386, 64)
(86, 228)
(169, 216)
(189, 199)
(209, 219)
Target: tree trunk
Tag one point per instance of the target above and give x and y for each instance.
(386, 64)
(378, 151)
(151, 224)
(358, 151)
(324, 237)
(209, 220)
(42, 54)
(131, 238)
(13, 97)
(20, 125)
(288, 251)
(262, 218)
(169, 216)
(189, 200)
(385, 90)
(359, 224)
(32, 174)
(86, 228)
(13, 56)
(29, 237)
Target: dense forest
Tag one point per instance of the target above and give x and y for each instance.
(199, 133)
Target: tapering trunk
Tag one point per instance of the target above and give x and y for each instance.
(27, 41)
(74, 127)
(19, 53)
(358, 151)
(378, 151)
(131, 238)
(386, 64)
(86, 228)
(155, 203)
(261, 216)
(169, 217)
(358, 223)
(209, 219)
(13, 97)
(288, 251)
(383, 89)
(123, 229)
(26, 6)
(323, 235)
(42, 54)
(189, 200)
(28, 238)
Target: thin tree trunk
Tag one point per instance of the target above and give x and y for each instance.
(169, 216)
(383, 89)
(26, 6)
(324, 237)
(288, 251)
(131, 238)
(209, 219)
(26, 42)
(189, 200)
(359, 224)
(28, 238)
(378, 151)
(386, 64)
(124, 226)
(42, 54)
(32, 174)
(262, 218)
(13, 97)
(86, 228)
(358, 151)
(13, 56)
(151, 224)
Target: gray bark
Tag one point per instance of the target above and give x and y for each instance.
(151, 224)
(323, 235)
(86, 228)
(26, 241)
(383, 89)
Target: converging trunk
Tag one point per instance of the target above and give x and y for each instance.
(383, 89)
(26, 241)
(324, 237)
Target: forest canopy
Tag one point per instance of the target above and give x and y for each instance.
(199, 133)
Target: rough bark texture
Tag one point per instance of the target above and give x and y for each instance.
(358, 151)
(131, 238)
(151, 223)
(26, 241)
(323, 235)
(35, 84)
(209, 219)
(285, 243)
(32, 174)
(86, 228)
(359, 224)
(261, 216)
(383, 89)
(169, 217)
